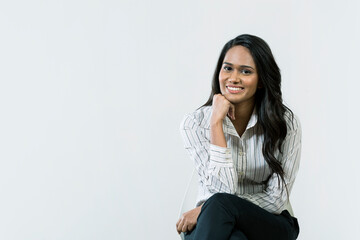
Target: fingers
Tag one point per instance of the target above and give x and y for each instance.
(188, 220)
(221, 107)
(183, 226)
(179, 225)
(231, 112)
(227, 106)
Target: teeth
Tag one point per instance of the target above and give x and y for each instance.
(234, 89)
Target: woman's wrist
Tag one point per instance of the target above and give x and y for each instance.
(217, 134)
(215, 122)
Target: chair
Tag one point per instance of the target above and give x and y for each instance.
(189, 198)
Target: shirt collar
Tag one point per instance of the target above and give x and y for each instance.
(229, 128)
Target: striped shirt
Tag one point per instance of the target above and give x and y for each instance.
(240, 168)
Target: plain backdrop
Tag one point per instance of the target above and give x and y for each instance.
(92, 94)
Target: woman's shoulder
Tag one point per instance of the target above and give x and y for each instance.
(198, 118)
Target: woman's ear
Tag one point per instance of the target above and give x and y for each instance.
(260, 85)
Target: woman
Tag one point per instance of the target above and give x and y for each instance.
(246, 147)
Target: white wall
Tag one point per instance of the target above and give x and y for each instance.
(92, 94)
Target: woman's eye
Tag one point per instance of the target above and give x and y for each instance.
(245, 71)
(227, 68)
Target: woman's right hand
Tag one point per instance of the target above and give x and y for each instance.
(221, 107)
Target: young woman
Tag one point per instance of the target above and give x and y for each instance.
(246, 145)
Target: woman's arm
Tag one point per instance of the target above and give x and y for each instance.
(221, 108)
(213, 160)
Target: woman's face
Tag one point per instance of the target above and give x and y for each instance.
(238, 76)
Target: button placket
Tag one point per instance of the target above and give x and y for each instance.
(241, 160)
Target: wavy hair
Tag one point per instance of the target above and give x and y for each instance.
(268, 99)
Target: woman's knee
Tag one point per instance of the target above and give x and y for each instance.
(218, 206)
(218, 198)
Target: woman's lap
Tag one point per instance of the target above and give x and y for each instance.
(226, 216)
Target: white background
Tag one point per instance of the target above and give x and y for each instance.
(92, 94)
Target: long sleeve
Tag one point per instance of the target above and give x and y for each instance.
(214, 164)
(273, 199)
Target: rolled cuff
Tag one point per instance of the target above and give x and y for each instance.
(220, 156)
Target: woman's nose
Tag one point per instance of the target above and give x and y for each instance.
(234, 77)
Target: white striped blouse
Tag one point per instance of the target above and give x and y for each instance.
(240, 168)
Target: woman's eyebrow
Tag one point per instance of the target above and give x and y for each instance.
(239, 66)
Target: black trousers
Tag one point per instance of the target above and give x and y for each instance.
(228, 217)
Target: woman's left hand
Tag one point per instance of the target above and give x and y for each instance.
(188, 220)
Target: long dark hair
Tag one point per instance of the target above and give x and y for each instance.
(268, 99)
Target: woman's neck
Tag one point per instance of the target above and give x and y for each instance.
(243, 114)
(244, 110)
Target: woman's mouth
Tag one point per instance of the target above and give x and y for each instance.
(234, 89)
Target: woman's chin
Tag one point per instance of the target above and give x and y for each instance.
(240, 100)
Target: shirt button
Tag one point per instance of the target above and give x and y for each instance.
(241, 153)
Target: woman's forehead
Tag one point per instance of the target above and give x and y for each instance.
(239, 55)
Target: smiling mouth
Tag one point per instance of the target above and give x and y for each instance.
(235, 89)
